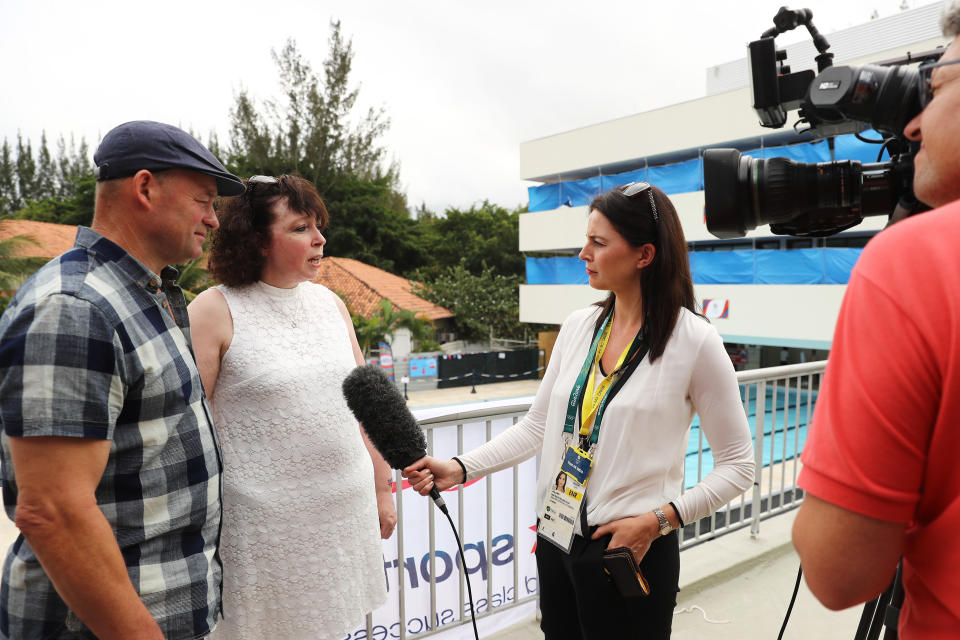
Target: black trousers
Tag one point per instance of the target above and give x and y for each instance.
(579, 602)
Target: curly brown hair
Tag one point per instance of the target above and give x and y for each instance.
(236, 252)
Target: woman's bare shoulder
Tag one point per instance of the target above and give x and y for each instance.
(210, 314)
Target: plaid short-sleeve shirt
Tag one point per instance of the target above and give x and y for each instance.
(92, 347)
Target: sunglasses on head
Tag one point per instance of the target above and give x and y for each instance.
(635, 189)
(924, 71)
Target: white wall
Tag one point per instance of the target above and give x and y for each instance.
(554, 230)
(784, 315)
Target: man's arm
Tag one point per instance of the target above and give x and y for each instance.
(847, 558)
(58, 515)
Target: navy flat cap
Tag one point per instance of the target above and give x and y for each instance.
(144, 144)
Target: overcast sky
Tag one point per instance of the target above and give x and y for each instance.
(463, 83)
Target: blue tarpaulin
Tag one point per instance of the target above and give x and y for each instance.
(721, 267)
(763, 266)
(559, 270)
(677, 178)
(579, 192)
(687, 176)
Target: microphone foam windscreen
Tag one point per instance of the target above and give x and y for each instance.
(381, 409)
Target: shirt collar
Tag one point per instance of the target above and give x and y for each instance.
(108, 251)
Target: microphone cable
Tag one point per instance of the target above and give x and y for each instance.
(793, 599)
(466, 574)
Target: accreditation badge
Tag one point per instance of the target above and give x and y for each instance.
(565, 499)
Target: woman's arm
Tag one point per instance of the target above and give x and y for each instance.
(516, 444)
(715, 395)
(211, 330)
(381, 470)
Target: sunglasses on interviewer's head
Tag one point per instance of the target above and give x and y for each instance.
(635, 189)
(253, 181)
(924, 71)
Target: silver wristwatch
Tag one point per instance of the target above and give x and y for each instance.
(665, 526)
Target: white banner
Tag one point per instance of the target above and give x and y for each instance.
(488, 563)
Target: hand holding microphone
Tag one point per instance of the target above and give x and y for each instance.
(379, 407)
(432, 473)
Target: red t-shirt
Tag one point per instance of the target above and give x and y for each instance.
(885, 439)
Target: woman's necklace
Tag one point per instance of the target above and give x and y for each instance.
(278, 306)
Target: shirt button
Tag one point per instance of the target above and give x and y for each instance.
(154, 284)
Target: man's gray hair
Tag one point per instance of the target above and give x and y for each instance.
(951, 19)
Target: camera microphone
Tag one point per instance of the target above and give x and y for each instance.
(378, 406)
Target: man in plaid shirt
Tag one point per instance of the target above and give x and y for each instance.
(111, 467)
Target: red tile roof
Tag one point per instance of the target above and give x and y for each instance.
(52, 239)
(363, 286)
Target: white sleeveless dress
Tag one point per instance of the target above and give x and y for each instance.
(300, 544)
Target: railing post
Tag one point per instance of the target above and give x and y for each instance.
(759, 426)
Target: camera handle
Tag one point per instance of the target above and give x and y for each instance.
(789, 19)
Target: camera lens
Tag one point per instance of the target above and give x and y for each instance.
(799, 198)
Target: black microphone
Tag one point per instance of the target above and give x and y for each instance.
(379, 407)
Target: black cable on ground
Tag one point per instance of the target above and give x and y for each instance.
(796, 589)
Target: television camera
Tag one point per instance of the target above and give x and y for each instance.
(818, 199)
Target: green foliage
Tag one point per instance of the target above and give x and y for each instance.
(382, 325)
(312, 130)
(194, 278)
(482, 237)
(45, 187)
(483, 304)
(13, 270)
(76, 209)
(8, 181)
(26, 170)
(369, 223)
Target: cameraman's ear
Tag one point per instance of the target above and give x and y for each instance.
(646, 256)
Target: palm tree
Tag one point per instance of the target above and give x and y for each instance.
(383, 324)
(194, 278)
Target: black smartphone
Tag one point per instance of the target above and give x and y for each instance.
(623, 570)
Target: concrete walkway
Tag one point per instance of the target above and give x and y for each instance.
(464, 395)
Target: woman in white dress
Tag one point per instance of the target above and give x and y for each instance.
(306, 496)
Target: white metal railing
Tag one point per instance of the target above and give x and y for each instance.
(779, 404)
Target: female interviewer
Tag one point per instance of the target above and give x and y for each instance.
(656, 363)
(306, 497)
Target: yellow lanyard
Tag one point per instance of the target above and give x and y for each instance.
(591, 397)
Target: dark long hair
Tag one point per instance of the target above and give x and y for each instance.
(665, 283)
(236, 252)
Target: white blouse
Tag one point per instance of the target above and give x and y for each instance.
(639, 458)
